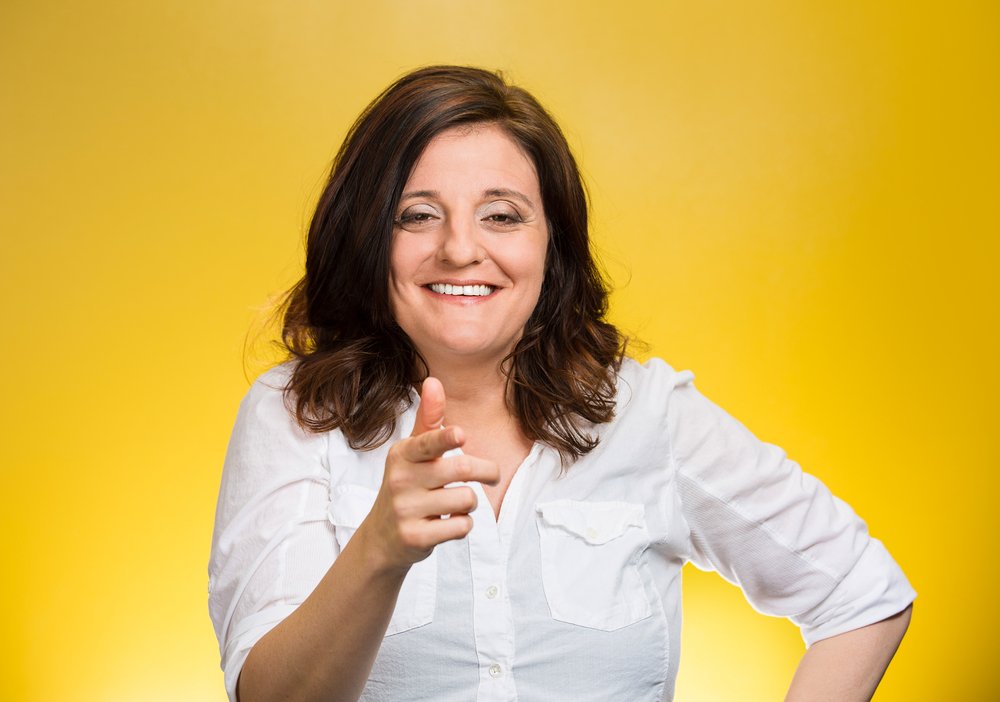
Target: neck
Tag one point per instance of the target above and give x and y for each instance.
(476, 394)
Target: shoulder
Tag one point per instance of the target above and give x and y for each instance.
(645, 391)
(266, 406)
(652, 381)
(268, 413)
(271, 382)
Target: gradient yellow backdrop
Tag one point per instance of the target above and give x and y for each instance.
(798, 201)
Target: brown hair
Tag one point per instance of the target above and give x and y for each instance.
(355, 365)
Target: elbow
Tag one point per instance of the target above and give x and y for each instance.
(888, 633)
(903, 620)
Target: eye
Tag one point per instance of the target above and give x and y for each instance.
(415, 219)
(501, 217)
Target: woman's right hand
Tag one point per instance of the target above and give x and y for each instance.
(405, 523)
(325, 648)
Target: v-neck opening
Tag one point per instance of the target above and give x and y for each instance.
(513, 489)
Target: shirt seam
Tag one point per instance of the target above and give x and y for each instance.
(669, 673)
(282, 579)
(672, 466)
(675, 466)
(835, 577)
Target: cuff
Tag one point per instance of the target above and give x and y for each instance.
(873, 590)
(243, 637)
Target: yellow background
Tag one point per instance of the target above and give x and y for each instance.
(798, 201)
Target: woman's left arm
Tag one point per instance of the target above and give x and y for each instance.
(795, 549)
(849, 666)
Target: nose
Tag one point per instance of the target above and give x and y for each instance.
(461, 244)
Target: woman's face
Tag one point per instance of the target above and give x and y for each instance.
(468, 247)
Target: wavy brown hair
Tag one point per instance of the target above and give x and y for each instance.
(355, 366)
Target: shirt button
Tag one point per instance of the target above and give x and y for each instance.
(592, 533)
(491, 592)
(495, 670)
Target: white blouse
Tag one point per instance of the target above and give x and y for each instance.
(574, 593)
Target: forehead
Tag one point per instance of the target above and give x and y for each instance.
(476, 156)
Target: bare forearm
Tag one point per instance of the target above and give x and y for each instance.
(848, 667)
(325, 649)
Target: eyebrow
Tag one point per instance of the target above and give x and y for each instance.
(492, 192)
(420, 193)
(507, 192)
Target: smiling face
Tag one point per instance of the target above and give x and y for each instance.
(468, 247)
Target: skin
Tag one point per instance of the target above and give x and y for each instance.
(471, 213)
(848, 667)
(325, 649)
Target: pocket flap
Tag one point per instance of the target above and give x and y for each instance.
(594, 522)
(350, 504)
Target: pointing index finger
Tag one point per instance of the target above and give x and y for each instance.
(432, 444)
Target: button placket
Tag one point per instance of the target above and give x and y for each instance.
(493, 622)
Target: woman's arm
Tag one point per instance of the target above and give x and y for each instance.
(325, 649)
(794, 549)
(849, 666)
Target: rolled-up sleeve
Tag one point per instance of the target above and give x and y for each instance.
(272, 541)
(795, 549)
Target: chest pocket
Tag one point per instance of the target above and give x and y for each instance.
(349, 505)
(591, 555)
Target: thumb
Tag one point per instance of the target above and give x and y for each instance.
(430, 413)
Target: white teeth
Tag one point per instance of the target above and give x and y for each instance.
(470, 290)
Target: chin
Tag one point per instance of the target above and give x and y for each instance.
(470, 351)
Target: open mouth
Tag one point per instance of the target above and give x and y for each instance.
(462, 290)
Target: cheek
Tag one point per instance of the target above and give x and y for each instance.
(540, 271)
(395, 258)
(407, 258)
(403, 262)
(531, 270)
(536, 264)
(397, 274)
(408, 253)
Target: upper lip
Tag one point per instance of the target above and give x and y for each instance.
(455, 281)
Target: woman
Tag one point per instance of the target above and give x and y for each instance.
(517, 529)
